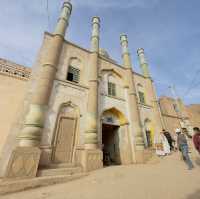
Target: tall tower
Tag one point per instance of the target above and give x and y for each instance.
(145, 71)
(27, 154)
(143, 62)
(91, 133)
(133, 106)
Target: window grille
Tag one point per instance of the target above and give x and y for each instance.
(73, 74)
(141, 97)
(111, 89)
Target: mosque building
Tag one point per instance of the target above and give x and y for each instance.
(76, 106)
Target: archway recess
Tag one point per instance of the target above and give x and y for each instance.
(114, 136)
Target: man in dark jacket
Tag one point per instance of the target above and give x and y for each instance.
(169, 139)
(196, 138)
(183, 147)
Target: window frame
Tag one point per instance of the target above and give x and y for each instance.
(112, 89)
(75, 72)
(142, 97)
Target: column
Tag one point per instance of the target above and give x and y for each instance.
(145, 71)
(133, 104)
(92, 156)
(27, 154)
(91, 137)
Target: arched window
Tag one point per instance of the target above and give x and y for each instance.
(73, 73)
(141, 94)
(111, 86)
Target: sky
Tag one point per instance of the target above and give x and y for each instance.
(168, 30)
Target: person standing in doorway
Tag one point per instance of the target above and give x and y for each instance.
(169, 139)
(183, 147)
(196, 139)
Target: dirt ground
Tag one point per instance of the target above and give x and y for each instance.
(166, 178)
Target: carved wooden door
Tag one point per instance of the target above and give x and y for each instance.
(65, 140)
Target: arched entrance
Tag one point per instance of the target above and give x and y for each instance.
(115, 141)
(65, 134)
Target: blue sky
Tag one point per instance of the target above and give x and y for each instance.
(168, 30)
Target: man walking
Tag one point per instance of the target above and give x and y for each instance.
(183, 147)
(196, 138)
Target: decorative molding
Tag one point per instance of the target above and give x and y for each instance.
(14, 70)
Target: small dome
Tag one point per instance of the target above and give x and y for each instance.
(104, 53)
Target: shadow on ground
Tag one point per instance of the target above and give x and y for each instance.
(195, 195)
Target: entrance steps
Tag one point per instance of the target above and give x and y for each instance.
(56, 171)
(12, 186)
(54, 174)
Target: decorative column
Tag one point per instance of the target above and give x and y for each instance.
(145, 71)
(28, 153)
(133, 105)
(92, 156)
(143, 62)
(91, 137)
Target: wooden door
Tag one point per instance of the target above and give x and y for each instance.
(65, 140)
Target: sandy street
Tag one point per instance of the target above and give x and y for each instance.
(166, 178)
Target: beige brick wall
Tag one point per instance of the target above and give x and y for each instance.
(12, 92)
(194, 114)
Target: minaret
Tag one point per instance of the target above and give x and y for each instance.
(132, 101)
(31, 133)
(92, 155)
(143, 63)
(91, 137)
(34, 122)
(95, 34)
(145, 71)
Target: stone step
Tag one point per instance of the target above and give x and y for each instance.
(61, 165)
(59, 171)
(11, 186)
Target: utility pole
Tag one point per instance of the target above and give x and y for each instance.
(178, 108)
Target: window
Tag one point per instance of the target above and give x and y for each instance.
(141, 96)
(111, 89)
(73, 74)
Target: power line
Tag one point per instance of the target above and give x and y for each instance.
(191, 85)
(48, 15)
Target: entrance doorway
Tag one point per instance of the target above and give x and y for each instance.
(65, 140)
(110, 141)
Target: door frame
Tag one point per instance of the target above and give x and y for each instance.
(56, 137)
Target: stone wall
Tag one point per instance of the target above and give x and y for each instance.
(13, 85)
(194, 114)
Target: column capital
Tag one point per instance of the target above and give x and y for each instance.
(96, 20)
(63, 19)
(95, 34)
(143, 62)
(125, 51)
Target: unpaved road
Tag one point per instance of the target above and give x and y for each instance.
(166, 178)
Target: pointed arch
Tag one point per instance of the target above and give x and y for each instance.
(117, 114)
